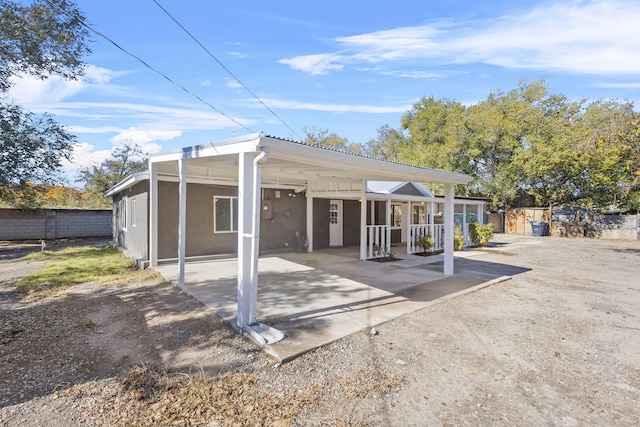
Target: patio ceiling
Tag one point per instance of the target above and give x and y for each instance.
(292, 164)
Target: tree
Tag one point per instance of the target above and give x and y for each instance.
(44, 39)
(325, 139)
(385, 146)
(125, 160)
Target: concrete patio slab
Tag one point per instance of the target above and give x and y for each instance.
(316, 298)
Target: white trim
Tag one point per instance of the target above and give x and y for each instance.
(133, 214)
(182, 220)
(123, 213)
(128, 182)
(449, 229)
(232, 214)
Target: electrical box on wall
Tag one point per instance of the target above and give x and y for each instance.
(266, 209)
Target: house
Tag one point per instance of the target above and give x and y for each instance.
(255, 194)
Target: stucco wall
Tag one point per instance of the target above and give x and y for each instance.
(280, 226)
(320, 223)
(26, 224)
(134, 239)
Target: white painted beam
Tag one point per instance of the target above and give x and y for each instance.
(309, 221)
(182, 220)
(245, 237)
(363, 222)
(449, 227)
(153, 215)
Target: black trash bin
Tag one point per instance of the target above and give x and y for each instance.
(539, 228)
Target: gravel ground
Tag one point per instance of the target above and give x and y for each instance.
(559, 344)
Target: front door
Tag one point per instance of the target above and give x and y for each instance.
(335, 223)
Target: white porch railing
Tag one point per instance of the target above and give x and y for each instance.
(436, 231)
(466, 235)
(377, 239)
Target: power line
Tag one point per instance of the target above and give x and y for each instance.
(50, 3)
(223, 66)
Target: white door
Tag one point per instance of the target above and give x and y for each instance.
(335, 222)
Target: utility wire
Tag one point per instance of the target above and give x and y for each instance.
(223, 66)
(84, 24)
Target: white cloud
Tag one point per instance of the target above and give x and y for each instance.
(233, 84)
(29, 90)
(239, 55)
(316, 64)
(336, 108)
(144, 136)
(590, 37)
(83, 156)
(629, 85)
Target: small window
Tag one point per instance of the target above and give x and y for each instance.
(333, 213)
(123, 213)
(225, 214)
(132, 214)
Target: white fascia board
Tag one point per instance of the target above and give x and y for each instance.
(128, 182)
(238, 145)
(338, 195)
(400, 197)
(230, 182)
(360, 165)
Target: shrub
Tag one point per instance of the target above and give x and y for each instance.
(424, 241)
(481, 234)
(458, 239)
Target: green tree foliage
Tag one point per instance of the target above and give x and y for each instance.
(530, 141)
(325, 139)
(124, 161)
(384, 146)
(42, 39)
(31, 147)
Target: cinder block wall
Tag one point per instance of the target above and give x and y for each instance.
(28, 224)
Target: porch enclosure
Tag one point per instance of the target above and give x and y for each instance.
(254, 163)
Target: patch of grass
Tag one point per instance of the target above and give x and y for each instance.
(233, 399)
(105, 265)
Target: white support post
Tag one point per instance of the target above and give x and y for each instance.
(449, 228)
(465, 233)
(373, 212)
(249, 180)
(388, 222)
(182, 219)
(363, 221)
(408, 231)
(309, 220)
(480, 213)
(432, 208)
(153, 214)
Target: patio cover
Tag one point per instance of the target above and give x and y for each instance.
(253, 162)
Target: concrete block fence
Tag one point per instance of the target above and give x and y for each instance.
(47, 224)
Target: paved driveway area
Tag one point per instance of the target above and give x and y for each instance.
(316, 298)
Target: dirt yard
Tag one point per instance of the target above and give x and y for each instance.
(559, 344)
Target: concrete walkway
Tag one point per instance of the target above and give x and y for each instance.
(316, 298)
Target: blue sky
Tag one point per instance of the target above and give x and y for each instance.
(345, 66)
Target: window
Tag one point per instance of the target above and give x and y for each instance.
(396, 216)
(123, 213)
(333, 213)
(225, 214)
(132, 214)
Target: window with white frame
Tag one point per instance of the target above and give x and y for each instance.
(132, 214)
(123, 213)
(225, 214)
